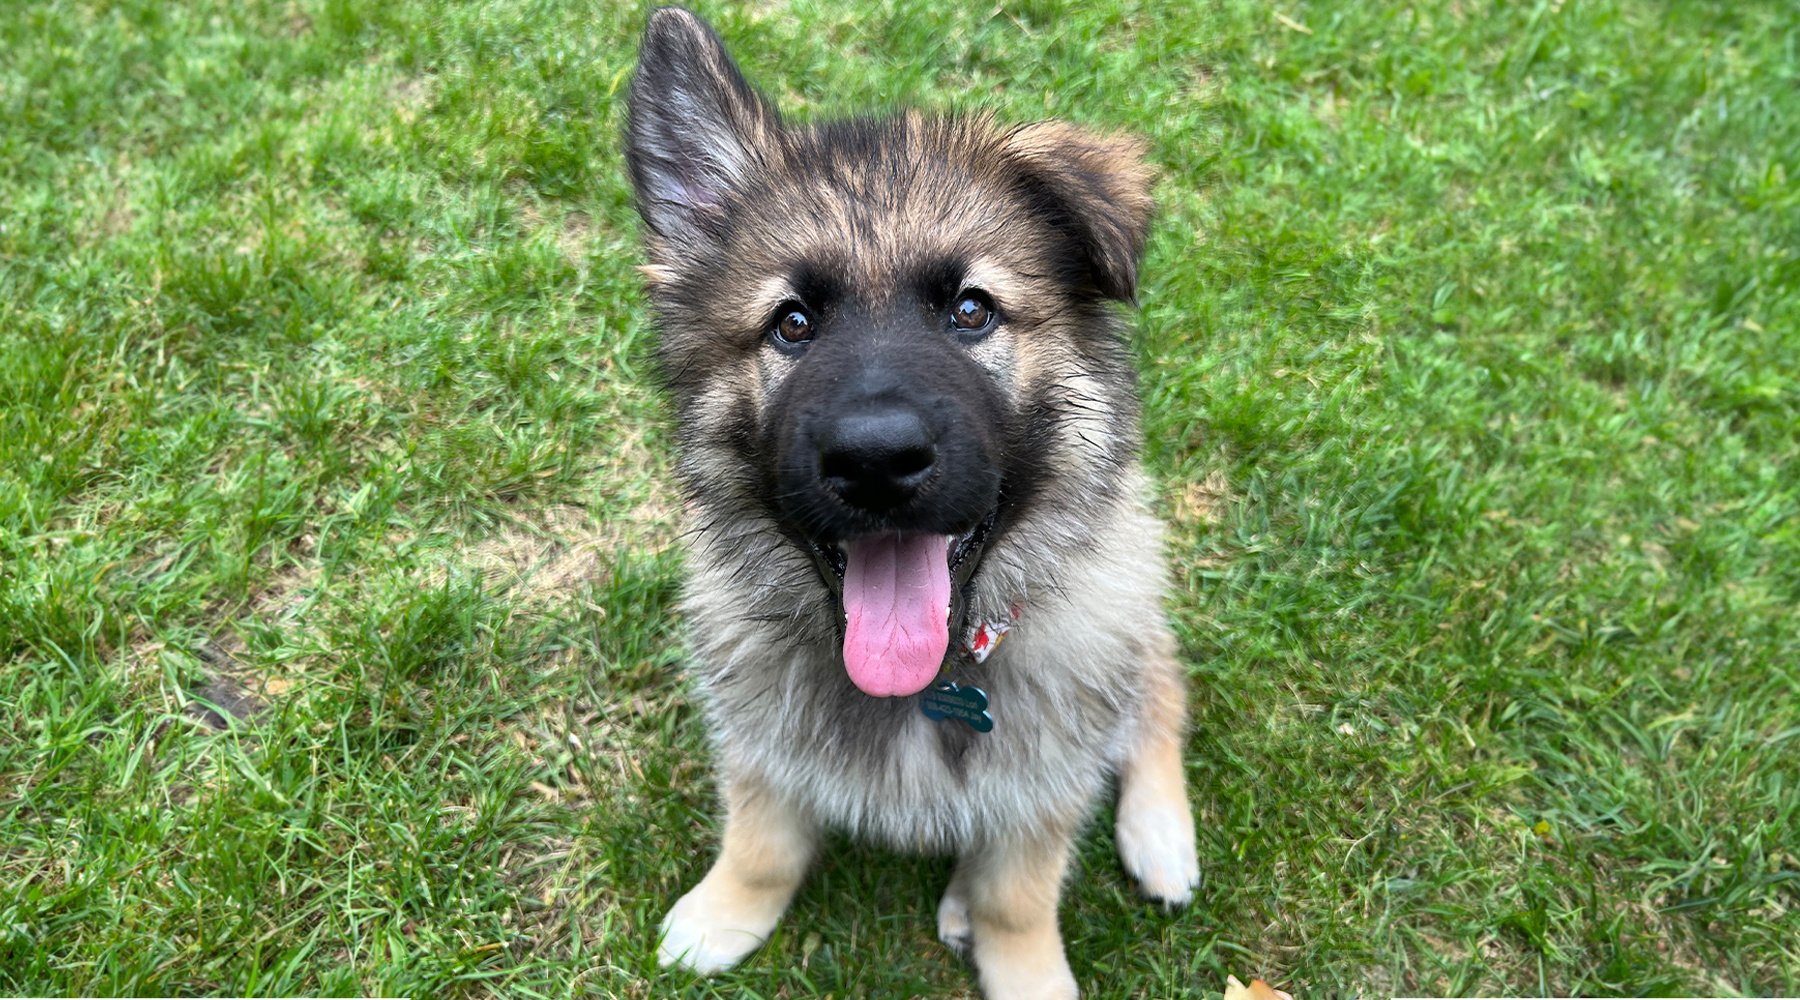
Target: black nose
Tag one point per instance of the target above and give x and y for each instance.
(876, 459)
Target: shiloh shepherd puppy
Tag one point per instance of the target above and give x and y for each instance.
(925, 588)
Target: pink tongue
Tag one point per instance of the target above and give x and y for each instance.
(897, 611)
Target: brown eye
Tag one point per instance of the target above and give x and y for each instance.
(973, 312)
(793, 326)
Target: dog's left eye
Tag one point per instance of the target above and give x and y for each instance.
(973, 312)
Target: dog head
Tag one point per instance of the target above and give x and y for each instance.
(887, 339)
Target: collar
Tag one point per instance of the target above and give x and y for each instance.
(984, 636)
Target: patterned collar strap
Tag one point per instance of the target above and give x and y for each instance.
(984, 636)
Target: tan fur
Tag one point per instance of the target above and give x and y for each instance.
(1155, 828)
(763, 857)
(655, 274)
(1011, 887)
(1112, 170)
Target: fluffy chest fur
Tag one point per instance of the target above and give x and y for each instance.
(1064, 691)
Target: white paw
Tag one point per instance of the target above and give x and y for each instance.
(953, 924)
(699, 937)
(1044, 980)
(1156, 843)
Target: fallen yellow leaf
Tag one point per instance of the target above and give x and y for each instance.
(1257, 990)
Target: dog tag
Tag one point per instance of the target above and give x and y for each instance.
(964, 704)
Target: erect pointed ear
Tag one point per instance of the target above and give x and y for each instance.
(694, 129)
(1098, 186)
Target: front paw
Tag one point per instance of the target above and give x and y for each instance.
(709, 934)
(1035, 975)
(953, 923)
(1156, 844)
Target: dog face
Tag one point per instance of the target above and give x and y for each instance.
(887, 336)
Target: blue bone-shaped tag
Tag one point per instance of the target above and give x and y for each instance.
(965, 704)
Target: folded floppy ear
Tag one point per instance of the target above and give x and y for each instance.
(1097, 187)
(694, 129)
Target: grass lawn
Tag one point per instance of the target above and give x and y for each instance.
(338, 556)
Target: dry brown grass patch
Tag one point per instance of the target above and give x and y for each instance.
(573, 230)
(552, 555)
(1200, 503)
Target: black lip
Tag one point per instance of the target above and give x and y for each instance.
(831, 563)
(970, 548)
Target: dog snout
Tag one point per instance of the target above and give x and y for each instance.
(877, 459)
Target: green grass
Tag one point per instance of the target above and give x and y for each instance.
(337, 555)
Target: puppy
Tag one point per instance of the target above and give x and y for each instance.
(924, 586)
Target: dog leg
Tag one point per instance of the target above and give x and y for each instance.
(767, 847)
(953, 912)
(1010, 889)
(1156, 824)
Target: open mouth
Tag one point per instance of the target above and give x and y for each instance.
(901, 592)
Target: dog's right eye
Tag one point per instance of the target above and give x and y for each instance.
(793, 326)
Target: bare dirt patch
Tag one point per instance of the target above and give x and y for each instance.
(120, 216)
(573, 230)
(552, 554)
(297, 22)
(544, 558)
(1201, 502)
(410, 96)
